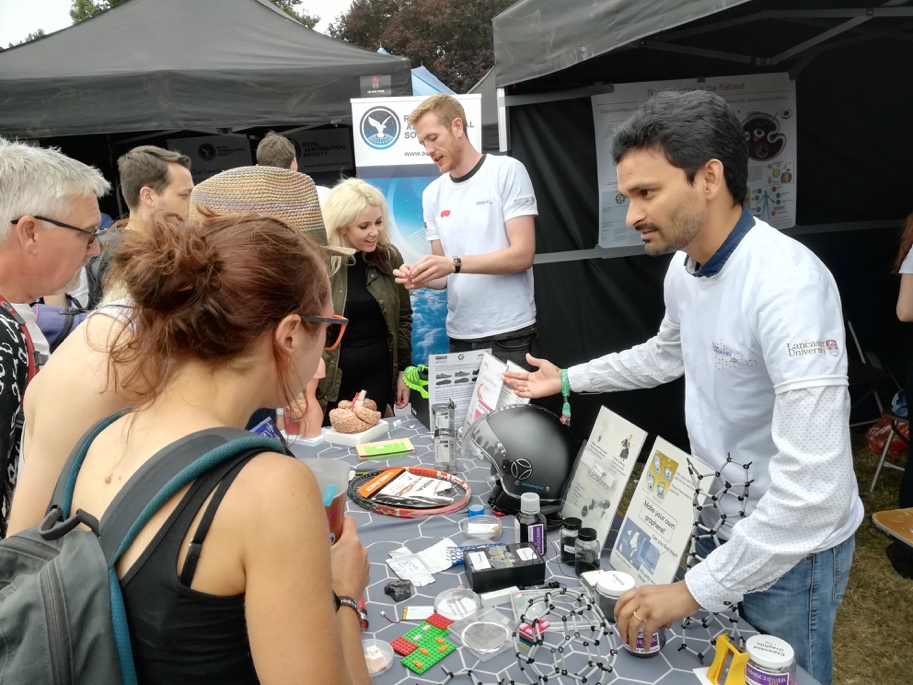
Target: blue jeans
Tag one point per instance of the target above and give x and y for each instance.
(801, 607)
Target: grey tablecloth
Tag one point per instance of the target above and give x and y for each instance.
(383, 534)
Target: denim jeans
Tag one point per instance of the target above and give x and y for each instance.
(512, 349)
(801, 607)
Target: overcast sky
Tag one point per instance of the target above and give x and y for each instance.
(18, 18)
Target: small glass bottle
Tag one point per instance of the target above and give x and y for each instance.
(771, 661)
(569, 528)
(586, 551)
(645, 651)
(531, 522)
(611, 586)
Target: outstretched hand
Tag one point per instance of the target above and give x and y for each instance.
(542, 383)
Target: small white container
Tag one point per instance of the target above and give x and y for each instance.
(771, 661)
(378, 656)
(485, 527)
(610, 586)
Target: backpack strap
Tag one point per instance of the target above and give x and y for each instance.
(66, 482)
(165, 474)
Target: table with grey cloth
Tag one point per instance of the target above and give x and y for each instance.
(383, 534)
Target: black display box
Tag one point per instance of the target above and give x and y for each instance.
(501, 566)
(420, 408)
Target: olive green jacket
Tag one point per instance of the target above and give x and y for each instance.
(397, 310)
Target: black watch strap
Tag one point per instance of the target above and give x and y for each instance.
(457, 265)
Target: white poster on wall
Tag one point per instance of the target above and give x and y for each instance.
(326, 149)
(211, 154)
(765, 105)
(384, 137)
(657, 526)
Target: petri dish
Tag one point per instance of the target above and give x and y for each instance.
(457, 603)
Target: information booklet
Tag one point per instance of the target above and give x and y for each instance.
(452, 377)
(657, 527)
(602, 472)
(490, 392)
(384, 448)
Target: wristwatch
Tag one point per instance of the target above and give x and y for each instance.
(349, 602)
(457, 265)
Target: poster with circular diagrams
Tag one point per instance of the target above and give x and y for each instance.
(765, 105)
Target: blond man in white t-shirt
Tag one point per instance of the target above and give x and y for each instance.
(479, 217)
(753, 322)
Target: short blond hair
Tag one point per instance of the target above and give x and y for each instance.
(445, 107)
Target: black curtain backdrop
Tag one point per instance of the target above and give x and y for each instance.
(849, 170)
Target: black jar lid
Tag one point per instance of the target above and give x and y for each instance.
(586, 534)
(571, 523)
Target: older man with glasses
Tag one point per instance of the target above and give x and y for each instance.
(75, 383)
(43, 191)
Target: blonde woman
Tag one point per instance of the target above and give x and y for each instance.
(378, 342)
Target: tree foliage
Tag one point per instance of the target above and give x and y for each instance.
(290, 7)
(83, 9)
(32, 36)
(451, 38)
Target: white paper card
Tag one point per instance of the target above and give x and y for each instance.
(451, 377)
(526, 554)
(479, 561)
(602, 472)
(657, 527)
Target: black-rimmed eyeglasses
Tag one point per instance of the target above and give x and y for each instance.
(92, 234)
(336, 326)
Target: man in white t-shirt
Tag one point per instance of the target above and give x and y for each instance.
(479, 216)
(753, 322)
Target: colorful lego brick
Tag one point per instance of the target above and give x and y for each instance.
(418, 662)
(402, 646)
(425, 632)
(532, 633)
(439, 621)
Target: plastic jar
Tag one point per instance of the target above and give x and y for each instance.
(611, 586)
(586, 551)
(771, 661)
(645, 651)
(569, 529)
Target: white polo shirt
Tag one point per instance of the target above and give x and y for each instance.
(468, 216)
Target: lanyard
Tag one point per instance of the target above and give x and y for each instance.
(29, 344)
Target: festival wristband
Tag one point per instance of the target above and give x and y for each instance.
(566, 394)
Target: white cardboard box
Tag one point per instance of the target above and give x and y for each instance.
(352, 439)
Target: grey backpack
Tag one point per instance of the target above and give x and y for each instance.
(62, 617)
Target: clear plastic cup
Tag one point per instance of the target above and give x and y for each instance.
(333, 480)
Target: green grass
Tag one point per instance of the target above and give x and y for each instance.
(873, 637)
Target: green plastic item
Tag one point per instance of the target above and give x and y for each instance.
(418, 661)
(416, 378)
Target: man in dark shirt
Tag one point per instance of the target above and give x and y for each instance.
(48, 222)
